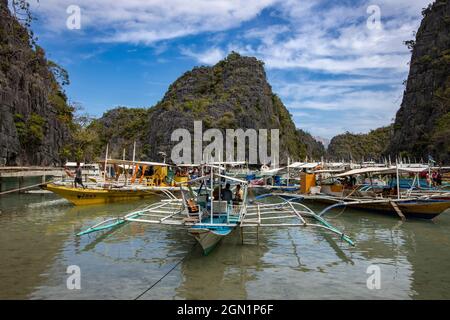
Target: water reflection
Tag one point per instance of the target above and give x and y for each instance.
(38, 242)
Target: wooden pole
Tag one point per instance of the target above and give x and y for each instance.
(212, 192)
(125, 169)
(288, 162)
(134, 155)
(371, 182)
(20, 183)
(398, 180)
(398, 211)
(106, 162)
(21, 189)
(429, 174)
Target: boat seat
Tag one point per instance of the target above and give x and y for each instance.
(150, 182)
(222, 208)
(190, 219)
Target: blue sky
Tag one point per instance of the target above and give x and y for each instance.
(335, 65)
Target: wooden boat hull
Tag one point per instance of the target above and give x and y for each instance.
(79, 196)
(422, 209)
(208, 238)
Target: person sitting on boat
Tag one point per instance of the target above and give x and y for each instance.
(227, 195)
(170, 176)
(216, 192)
(239, 194)
(193, 174)
(428, 179)
(150, 171)
(434, 178)
(439, 178)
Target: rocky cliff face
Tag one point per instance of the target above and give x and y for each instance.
(120, 128)
(232, 94)
(314, 148)
(422, 124)
(34, 115)
(356, 147)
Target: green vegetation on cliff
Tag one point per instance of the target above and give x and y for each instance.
(421, 124)
(312, 148)
(30, 129)
(232, 94)
(35, 117)
(357, 147)
(119, 127)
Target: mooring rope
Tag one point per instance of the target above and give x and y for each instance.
(339, 214)
(167, 273)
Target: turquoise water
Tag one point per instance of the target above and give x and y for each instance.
(38, 242)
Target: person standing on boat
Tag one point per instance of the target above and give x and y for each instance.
(353, 181)
(78, 176)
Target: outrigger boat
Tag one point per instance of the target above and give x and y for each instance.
(126, 180)
(383, 198)
(209, 220)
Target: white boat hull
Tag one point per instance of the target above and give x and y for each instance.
(208, 239)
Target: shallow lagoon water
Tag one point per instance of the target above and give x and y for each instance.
(38, 242)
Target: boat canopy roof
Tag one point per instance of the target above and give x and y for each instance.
(130, 162)
(334, 164)
(304, 165)
(230, 163)
(207, 177)
(271, 171)
(378, 170)
(361, 171)
(328, 171)
(73, 164)
(407, 169)
(295, 164)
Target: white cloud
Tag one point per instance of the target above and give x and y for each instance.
(330, 124)
(148, 21)
(315, 38)
(209, 57)
(335, 40)
(331, 107)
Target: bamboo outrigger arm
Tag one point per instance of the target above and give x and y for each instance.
(303, 209)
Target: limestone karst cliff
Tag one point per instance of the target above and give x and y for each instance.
(35, 118)
(422, 124)
(232, 94)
